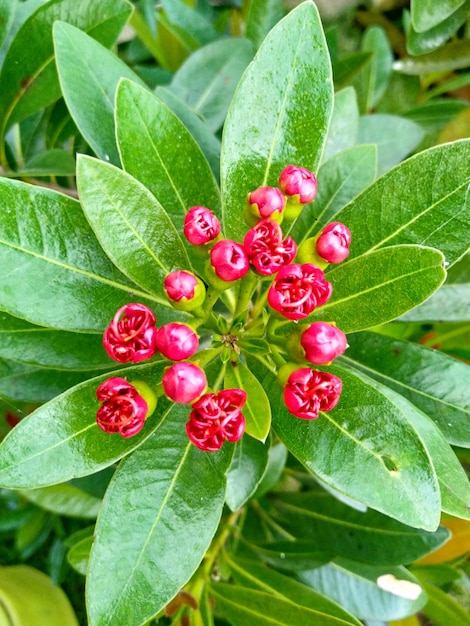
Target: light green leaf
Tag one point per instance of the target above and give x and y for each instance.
(378, 287)
(64, 500)
(448, 304)
(441, 608)
(172, 495)
(261, 16)
(131, 225)
(342, 132)
(277, 457)
(422, 201)
(453, 56)
(246, 471)
(433, 37)
(79, 555)
(289, 85)
(426, 377)
(53, 257)
(346, 68)
(373, 80)
(89, 74)
(426, 14)
(189, 21)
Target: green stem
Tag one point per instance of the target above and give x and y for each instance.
(260, 302)
(205, 310)
(276, 356)
(247, 287)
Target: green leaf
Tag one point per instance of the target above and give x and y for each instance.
(448, 304)
(367, 537)
(254, 575)
(172, 495)
(426, 377)
(53, 257)
(431, 38)
(277, 457)
(422, 201)
(378, 287)
(441, 608)
(373, 80)
(355, 586)
(189, 21)
(453, 56)
(342, 132)
(347, 68)
(64, 500)
(365, 448)
(292, 556)
(131, 225)
(49, 163)
(28, 80)
(246, 471)
(289, 86)
(46, 347)
(151, 139)
(340, 179)
(79, 555)
(394, 136)
(426, 14)
(46, 449)
(89, 75)
(8, 12)
(256, 410)
(207, 80)
(261, 16)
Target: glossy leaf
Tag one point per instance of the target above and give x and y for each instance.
(442, 609)
(426, 14)
(32, 83)
(89, 74)
(395, 137)
(79, 555)
(8, 12)
(453, 56)
(246, 471)
(340, 179)
(131, 225)
(367, 537)
(366, 448)
(56, 258)
(254, 575)
(261, 16)
(293, 556)
(348, 67)
(448, 304)
(256, 410)
(380, 286)
(46, 347)
(355, 587)
(342, 131)
(46, 449)
(49, 163)
(277, 457)
(423, 201)
(64, 500)
(433, 37)
(172, 494)
(289, 86)
(207, 80)
(151, 139)
(372, 82)
(425, 377)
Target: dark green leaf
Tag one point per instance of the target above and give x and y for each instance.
(448, 304)
(49, 163)
(8, 10)
(293, 556)
(426, 14)
(372, 81)
(380, 286)
(346, 68)
(28, 80)
(89, 74)
(131, 225)
(342, 131)
(367, 537)
(261, 16)
(246, 471)
(207, 80)
(46, 448)
(277, 457)
(423, 201)
(289, 86)
(433, 37)
(361, 590)
(162, 509)
(441, 608)
(64, 500)
(426, 377)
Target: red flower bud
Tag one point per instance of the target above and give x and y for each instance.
(184, 290)
(309, 391)
(215, 418)
(229, 260)
(176, 341)
(265, 248)
(333, 242)
(298, 183)
(297, 290)
(131, 334)
(184, 382)
(124, 409)
(323, 342)
(264, 202)
(200, 226)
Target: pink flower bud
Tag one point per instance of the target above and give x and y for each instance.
(309, 391)
(200, 226)
(265, 248)
(177, 341)
(323, 342)
(229, 260)
(131, 334)
(123, 409)
(215, 418)
(333, 242)
(184, 382)
(297, 290)
(184, 290)
(265, 202)
(298, 183)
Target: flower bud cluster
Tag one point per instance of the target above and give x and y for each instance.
(296, 287)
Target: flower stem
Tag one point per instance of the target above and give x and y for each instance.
(247, 287)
